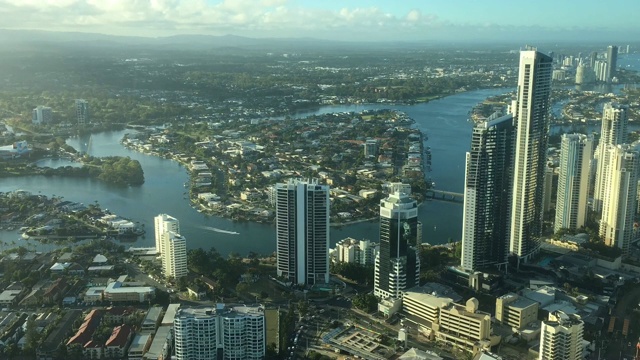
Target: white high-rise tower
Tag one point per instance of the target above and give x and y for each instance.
(612, 132)
(573, 183)
(620, 194)
(164, 223)
(302, 231)
(174, 258)
(561, 337)
(532, 122)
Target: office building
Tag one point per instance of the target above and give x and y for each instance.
(82, 112)
(576, 151)
(516, 311)
(302, 231)
(620, 194)
(485, 219)
(532, 121)
(42, 115)
(397, 265)
(439, 318)
(612, 132)
(234, 333)
(164, 223)
(561, 337)
(612, 61)
(174, 258)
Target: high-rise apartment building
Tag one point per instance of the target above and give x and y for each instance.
(561, 337)
(302, 231)
(164, 223)
(42, 115)
(576, 151)
(612, 61)
(82, 112)
(532, 121)
(487, 194)
(361, 252)
(371, 147)
(234, 333)
(397, 264)
(620, 194)
(174, 258)
(612, 132)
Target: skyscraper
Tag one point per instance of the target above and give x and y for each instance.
(174, 258)
(164, 223)
(576, 151)
(620, 193)
(612, 132)
(612, 61)
(302, 231)
(561, 337)
(82, 112)
(487, 194)
(532, 122)
(220, 333)
(397, 265)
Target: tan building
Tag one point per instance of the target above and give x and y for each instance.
(516, 311)
(441, 319)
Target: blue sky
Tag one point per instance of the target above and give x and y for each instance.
(355, 20)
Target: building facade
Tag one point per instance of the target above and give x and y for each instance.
(612, 61)
(164, 223)
(82, 112)
(516, 311)
(485, 219)
(42, 115)
(561, 337)
(302, 231)
(612, 132)
(532, 121)
(576, 151)
(236, 333)
(620, 196)
(174, 258)
(361, 252)
(397, 265)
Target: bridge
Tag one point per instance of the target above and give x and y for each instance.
(445, 196)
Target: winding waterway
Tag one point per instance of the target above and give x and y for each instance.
(445, 121)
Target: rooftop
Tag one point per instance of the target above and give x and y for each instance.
(170, 314)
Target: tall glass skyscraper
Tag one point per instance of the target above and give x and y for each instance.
(397, 265)
(302, 231)
(487, 194)
(532, 122)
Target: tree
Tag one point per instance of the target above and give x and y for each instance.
(31, 336)
(303, 308)
(366, 302)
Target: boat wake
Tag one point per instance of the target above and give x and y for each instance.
(220, 230)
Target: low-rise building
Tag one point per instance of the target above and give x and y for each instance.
(139, 346)
(516, 311)
(151, 320)
(116, 346)
(118, 291)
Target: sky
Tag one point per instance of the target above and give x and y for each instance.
(349, 20)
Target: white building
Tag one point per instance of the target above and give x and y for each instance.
(42, 115)
(397, 265)
(350, 250)
(174, 258)
(164, 223)
(238, 332)
(532, 121)
(620, 194)
(576, 152)
(612, 132)
(561, 337)
(302, 231)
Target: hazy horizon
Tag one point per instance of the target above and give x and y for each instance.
(355, 20)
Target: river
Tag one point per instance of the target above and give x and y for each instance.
(445, 121)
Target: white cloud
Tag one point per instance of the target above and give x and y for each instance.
(165, 17)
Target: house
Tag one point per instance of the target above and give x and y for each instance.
(55, 291)
(197, 292)
(12, 294)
